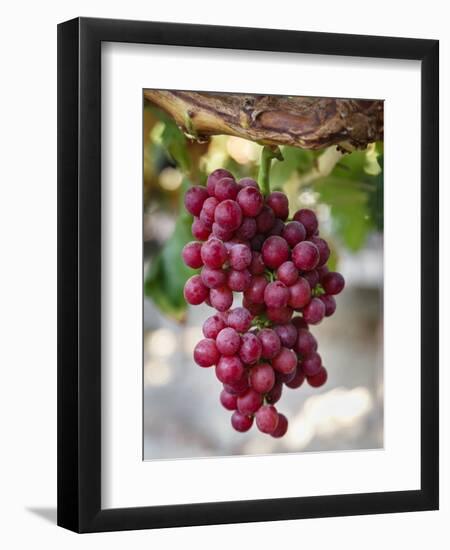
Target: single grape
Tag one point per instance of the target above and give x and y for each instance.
(228, 400)
(225, 189)
(333, 282)
(306, 342)
(213, 278)
(279, 204)
(240, 319)
(330, 304)
(228, 341)
(282, 426)
(249, 402)
(241, 422)
(299, 294)
(266, 419)
(239, 280)
(199, 230)
(311, 364)
(212, 326)
(229, 369)
(257, 265)
(250, 351)
(207, 212)
(194, 198)
(247, 229)
(221, 298)
(275, 251)
(305, 256)
(214, 254)
(298, 378)
(255, 292)
(314, 311)
(276, 295)
(191, 254)
(308, 219)
(287, 334)
(228, 215)
(240, 256)
(318, 379)
(323, 248)
(250, 200)
(214, 177)
(195, 292)
(270, 343)
(285, 362)
(293, 233)
(262, 378)
(206, 353)
(265, 219)
(287, 273)
(274, 395)
(280, 315)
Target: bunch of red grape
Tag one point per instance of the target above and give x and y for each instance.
(245, 243)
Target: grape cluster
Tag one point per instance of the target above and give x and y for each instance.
(246, 244)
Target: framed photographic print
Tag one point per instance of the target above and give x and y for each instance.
(248, 275)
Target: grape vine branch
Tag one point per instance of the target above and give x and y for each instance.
(306, 122)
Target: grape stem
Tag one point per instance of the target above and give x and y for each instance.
(268, 153)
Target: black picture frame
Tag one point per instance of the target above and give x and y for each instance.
(79, 274)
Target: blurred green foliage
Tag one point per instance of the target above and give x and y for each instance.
(351, 187)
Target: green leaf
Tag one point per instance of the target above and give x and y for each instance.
(295, 160)
(349, 209)
(167, 274)
(354, 192)
(172, 139)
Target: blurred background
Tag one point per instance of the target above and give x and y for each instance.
(182, 414)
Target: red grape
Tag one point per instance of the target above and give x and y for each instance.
(279, 204)
(287, 273)
(305, 256)
(250, 351)
(333, 283)
(212, 326)
(285, 362)
(267, 419)
(191, 254)
(318, 379)
(228, 400)
(228, 341)
(249, 402)
(194, 198)
(282, 426)
(206, 353)
(221, 298)
(308, 219)
(228, 215)
(195, 292)
(276, 295)
(314, 311)
(270, 343)
(241, 422)
(262, 378)
(250, 200)
(240, 319)
(293, 233)
(275, 251)
(214, 177)
(229, 369)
